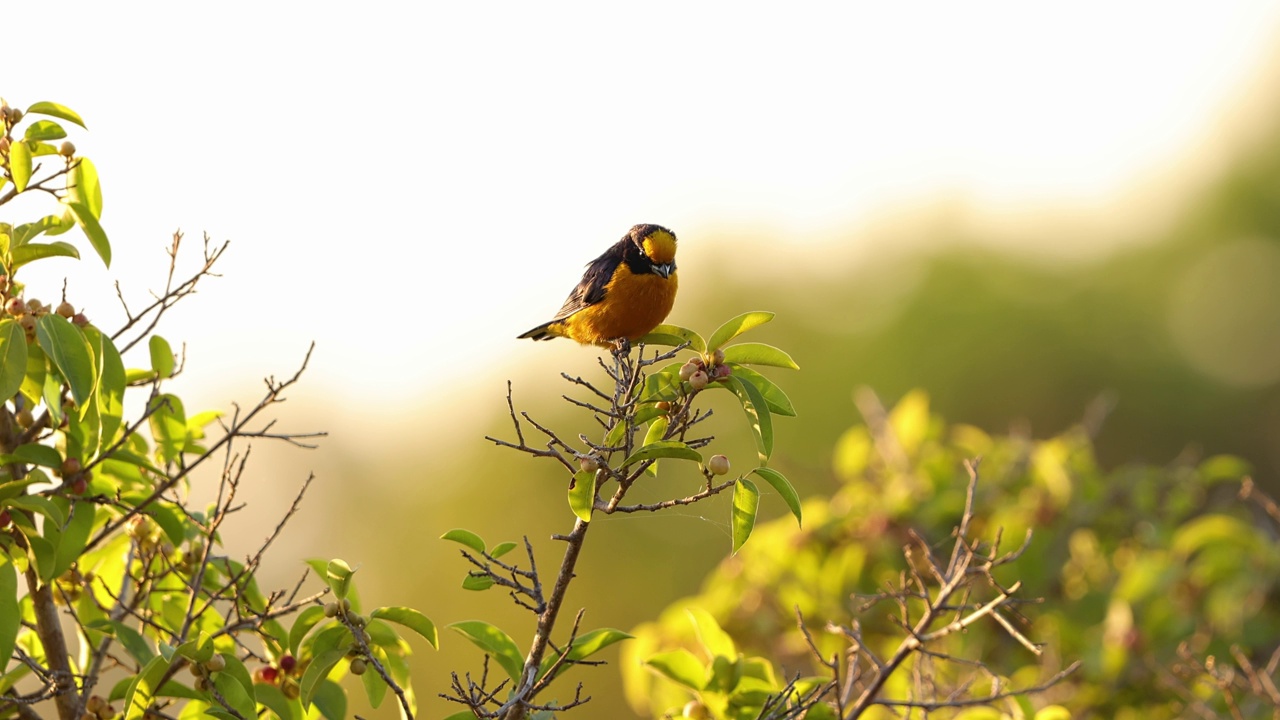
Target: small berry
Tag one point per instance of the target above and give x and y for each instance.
(359, 620)
(94, 704)
(288, 663)
(266, 674)
(34, 306)
(70, 466)
(688, 369)
(80, 319)
(25, 418)
(722, 373)
(358, 666)
(695, 710)
(66, 310)
(717, 357)
(291, 690)
(67, 149)
(718, 465)
(217, 663)
(202, 684)
(79, 485)
(331, 609)
(664, 407)
(15, 306)
(28, 322)
(699, 380)
(5, 518)
(588, 463)
(15, 115)
(346, 606)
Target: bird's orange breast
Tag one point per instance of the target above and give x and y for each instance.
(633, 305)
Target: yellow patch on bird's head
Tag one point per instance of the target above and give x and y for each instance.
(658, 243)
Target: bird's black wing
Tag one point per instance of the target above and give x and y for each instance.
(591, 289)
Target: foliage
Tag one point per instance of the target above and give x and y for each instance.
(123, 582)
(1141, 569)
(659, 395)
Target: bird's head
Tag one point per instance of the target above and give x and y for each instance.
(658, 244)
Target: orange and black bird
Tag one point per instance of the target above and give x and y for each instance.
(624, 294)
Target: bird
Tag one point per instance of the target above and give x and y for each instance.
(623, 295)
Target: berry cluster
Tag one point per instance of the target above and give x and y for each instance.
(356, 622)
(286, 673)
(97, 708)
(706, 369)
(26, 312)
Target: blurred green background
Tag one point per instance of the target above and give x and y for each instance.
(1172, 344)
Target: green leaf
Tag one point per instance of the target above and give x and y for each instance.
(83, 186)
(502, 549)
(664, 449)
(302, 625)
(20, 165)
(757, 411)
(374, 687)
(331, 700)
(657, 431)
(275, 701)
(465, 537)
(31, 252)
(56, 110)
(759, 354)
(477, 582)
(33, 384)
(43, 505)
(161, 356)
(44, 554)
(10, 618)
(774, 397)
(582, 494)
(143, 688)
(238, 695)
(411, 619)
(681, 666)
(37, 454)
(66, 345)
(714, 639)
(662, 385)
(111, 383)
(318, 670)
(93, 230)
(746, 500)
(674, 336)
(783, 488)
(133, 642)
(75, 535)
(26, 232)
(736, 327)
(493, 641)
(44, 130)
(168, 426)
(338, 574)
(585, 646)
(13, 358)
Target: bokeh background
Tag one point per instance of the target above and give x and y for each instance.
(1033, 213)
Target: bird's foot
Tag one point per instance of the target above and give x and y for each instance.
(621, 347)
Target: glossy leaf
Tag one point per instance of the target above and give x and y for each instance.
(168, 426)
(20, 165)
(664, 449)
(465, 537)
(582, 494)
(746, 500)
(111, 383)
(132, 641)
(236, 693)
(75, 535)
(412, 619)
(493, 641)
(161, 357)
(501, 549)
(13, 358)
(33, 383)
(35, 251)
(142, 690)
(56, 110)
(758, 416)
(318, 670)
(783, 487)
(681, 666)
(302, 625)
(736, 327)
(10, 618)
(375, 689)
(275, 701)
(713, 638)
(65, 344)
(675, 336)
(38, 454)
(587, 645)
(83, 186)
(92, 230)
(44, 130)
(331, 700)
(657, 430)
(338, 574)
(26, 232)
(759, 354)
(774, 397)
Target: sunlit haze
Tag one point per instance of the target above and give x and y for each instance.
(412, 185)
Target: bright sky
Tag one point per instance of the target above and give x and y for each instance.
(413, 184)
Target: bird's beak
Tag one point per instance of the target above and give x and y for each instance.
(665, 269)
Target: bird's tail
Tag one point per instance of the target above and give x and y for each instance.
(542, 332)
